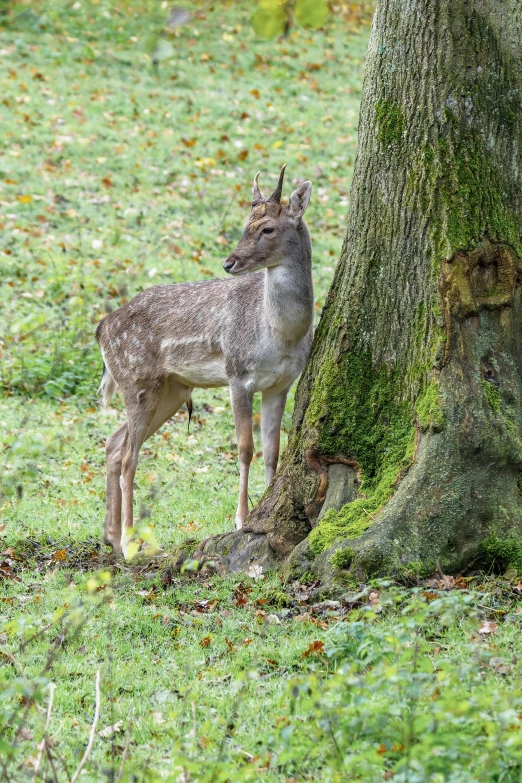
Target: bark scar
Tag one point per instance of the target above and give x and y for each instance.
(482, 279)
(314, 461)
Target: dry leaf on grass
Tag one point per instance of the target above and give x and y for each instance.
(108, 731)
(487, 627)
(316, 648)
(255, 571)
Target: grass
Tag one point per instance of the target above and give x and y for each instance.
(115, 176)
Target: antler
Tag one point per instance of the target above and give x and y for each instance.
(276, 195)
(256, 193)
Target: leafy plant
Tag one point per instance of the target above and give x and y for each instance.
(274, 17)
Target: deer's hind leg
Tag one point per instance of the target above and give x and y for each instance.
(154, 407)
(112, 524)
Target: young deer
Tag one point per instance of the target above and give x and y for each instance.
(251, 333)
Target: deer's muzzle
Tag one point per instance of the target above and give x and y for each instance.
(228, 265)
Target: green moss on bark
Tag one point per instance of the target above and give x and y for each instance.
(492, 396)
(365, 420)
(475, 202)
(390, 122)
(500, 553)
(462, 187)
(429, 409)
(342, 557)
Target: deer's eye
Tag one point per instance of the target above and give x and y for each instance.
(268, 231)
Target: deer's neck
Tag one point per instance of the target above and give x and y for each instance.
(289, 295)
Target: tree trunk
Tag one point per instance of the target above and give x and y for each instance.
(406, 443)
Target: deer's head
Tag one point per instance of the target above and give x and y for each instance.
(270, 234)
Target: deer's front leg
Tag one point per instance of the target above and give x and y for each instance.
(272, 407)
(242, 409)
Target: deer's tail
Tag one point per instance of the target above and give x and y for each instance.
(107, 386)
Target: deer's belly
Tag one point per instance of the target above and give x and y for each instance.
(205, 374)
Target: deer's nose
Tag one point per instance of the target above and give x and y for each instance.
(229, 263)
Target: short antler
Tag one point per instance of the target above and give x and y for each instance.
(256, 193)
(276, 195)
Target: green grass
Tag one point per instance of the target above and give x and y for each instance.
(114, 177)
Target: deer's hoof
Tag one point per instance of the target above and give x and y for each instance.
(113, 542)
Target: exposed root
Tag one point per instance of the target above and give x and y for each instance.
(314, 461)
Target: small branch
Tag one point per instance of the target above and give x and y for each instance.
(227, 210)
(125, 751)
(43, 743)
(445, 579)
(93, 731)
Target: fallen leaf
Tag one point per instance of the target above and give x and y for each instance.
(255, 571)
(177, 16)
(206, 605)
(230, 645)
(487, 627)
(205, 642)
(316, 648)
(241, 599)
(329, 606)
(108, 731)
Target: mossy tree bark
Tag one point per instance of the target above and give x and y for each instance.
(406, 443)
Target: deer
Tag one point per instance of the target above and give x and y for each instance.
(251, 331)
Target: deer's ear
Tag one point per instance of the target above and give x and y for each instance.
(299, 200)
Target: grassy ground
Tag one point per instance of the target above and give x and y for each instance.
(113, 177)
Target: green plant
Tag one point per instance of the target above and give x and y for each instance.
(274, 17)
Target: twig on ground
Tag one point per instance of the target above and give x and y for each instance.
(93, 731)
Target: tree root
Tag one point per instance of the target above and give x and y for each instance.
(314, 461)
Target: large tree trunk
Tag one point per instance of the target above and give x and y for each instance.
(406, 444)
